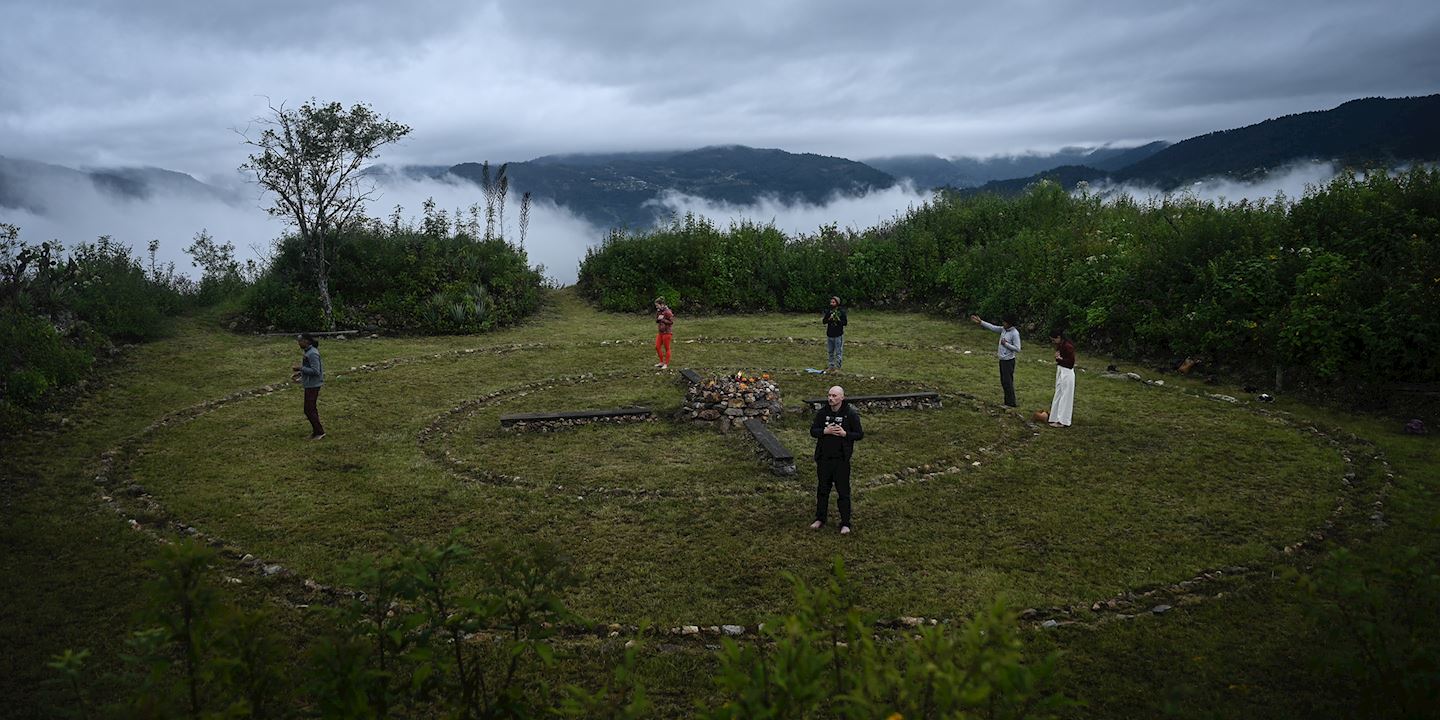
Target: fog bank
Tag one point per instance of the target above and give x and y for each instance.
(794, 218)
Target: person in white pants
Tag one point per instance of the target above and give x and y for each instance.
(1064, 400)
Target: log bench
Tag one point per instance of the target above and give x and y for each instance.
(782, 461)
(917, 400)
(568, 418)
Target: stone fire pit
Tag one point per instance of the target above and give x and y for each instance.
(727, 401)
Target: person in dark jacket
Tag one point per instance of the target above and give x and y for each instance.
(311, 375)
(835, 320)
(835, 428)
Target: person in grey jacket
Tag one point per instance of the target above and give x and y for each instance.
(1008, 349)
(311, 374)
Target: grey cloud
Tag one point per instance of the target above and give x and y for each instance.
(162, 83)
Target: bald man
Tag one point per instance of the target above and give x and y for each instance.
(836, 428)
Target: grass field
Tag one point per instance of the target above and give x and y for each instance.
(680, 525)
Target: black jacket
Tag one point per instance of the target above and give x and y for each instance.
(828, 445)
(835, 322)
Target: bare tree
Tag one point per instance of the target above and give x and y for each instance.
(503, 189)
(524, 217)
(311, 159)
(494, 188)
(487, 190)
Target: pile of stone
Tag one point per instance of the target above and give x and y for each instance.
(728, 401)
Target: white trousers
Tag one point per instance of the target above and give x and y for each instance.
(1064, 401)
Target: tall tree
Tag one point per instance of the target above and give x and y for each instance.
(310, 158)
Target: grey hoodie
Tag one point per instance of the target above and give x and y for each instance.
(312, 373)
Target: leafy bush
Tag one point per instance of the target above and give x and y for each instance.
(59, 311)
(35, 359)
(824, 660)
(1337, 289)
(402, 278)
(409, 643)
(412, 642)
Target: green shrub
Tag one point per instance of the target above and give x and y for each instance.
(35, 359)
(825, 660)
(401, 279)
(59, 311)
(1336, 289)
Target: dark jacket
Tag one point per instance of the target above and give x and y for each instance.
(829, 446)
(835, 322)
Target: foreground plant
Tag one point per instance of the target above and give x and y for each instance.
(825, 660)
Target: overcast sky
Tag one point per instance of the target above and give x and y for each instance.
(164, 82)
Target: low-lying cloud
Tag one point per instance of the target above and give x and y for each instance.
(73, 210)
(76, 211)
(1291, 182)
(795, 218)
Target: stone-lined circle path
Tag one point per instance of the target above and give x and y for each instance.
(116, 489)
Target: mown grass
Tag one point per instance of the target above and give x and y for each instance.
(1150, 486)
(677, 524)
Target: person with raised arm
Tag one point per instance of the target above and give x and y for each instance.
(1008, 350)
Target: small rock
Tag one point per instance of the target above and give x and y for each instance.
(911, 621)
(273, 569)
(233, 580)
(248, 558)
(690, 630)
(732, 630)
(1160, 609)
(1049, 624)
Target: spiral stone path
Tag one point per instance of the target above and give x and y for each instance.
(1360, 491)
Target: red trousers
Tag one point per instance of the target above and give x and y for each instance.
(662, 347)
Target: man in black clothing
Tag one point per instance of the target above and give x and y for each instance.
(835, 321)
(836, 428)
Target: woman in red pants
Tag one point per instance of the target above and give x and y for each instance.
(664, 324)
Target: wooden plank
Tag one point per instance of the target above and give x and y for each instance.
(761, 432)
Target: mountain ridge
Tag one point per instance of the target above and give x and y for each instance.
(627, 189)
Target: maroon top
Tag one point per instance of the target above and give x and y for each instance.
(664, 321)
(1067, 354)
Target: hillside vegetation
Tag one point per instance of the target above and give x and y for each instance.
(1335, 289)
